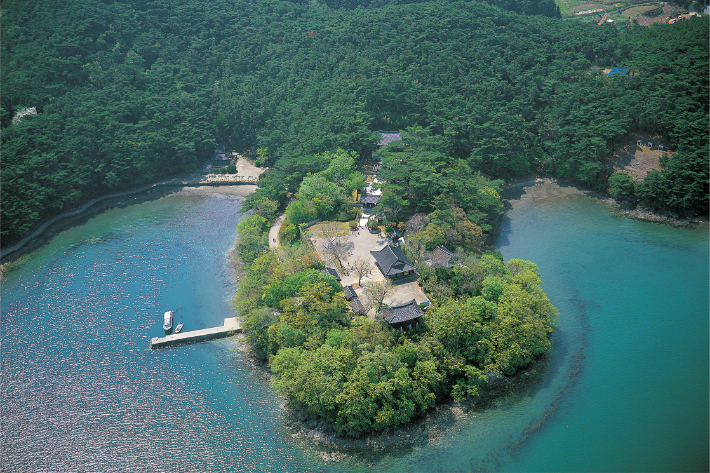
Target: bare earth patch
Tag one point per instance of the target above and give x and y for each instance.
(635, 160)
(667, 10)
(583, 7)
(634, 12)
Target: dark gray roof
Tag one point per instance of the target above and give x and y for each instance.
(349, 292)
(357, 306)
(370, 199)
(402, 313)
(440, 257)
(333, 273)
(388, 137)
(391, 260)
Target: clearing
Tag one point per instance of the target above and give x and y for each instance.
(635, 160)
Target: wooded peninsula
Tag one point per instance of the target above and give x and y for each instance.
(99, 97)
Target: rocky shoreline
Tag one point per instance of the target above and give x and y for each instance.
(322, 440)
(183, 184)
(540, 188)
(433, 425)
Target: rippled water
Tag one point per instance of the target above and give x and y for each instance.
(626, 388)
(81, 389)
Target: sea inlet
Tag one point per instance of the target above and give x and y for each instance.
(625, 387)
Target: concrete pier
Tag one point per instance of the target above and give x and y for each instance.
(231, 326)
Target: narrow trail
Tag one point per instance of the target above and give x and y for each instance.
(274, 231)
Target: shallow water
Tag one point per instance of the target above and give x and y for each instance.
(626, 387)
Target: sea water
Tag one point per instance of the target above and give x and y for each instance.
(625, 387)
(83, 392)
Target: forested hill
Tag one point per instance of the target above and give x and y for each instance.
(129, 91)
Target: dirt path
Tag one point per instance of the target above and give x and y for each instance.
(274, 231)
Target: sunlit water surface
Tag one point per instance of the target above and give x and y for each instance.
(626, 387)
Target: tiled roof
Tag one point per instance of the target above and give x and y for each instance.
(440, 257)
(388, 137)
(402, 313)
(349, 292)
(357, 306)
(370, 199)
(333, 273)
(391, 260)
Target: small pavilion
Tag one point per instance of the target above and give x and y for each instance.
(404, 316)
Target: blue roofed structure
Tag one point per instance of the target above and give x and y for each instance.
(622, 71)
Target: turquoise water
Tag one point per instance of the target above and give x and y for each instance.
(626, 387)
(640, 402)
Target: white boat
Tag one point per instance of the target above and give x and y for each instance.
(178, 327)
(168, 320)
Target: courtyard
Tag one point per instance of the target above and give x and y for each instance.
(357, 245)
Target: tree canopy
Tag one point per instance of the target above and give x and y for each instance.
(358, 374)
(128, 92)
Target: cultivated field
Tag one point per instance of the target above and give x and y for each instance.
(621, 12)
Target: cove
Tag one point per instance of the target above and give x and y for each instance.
(625, 387)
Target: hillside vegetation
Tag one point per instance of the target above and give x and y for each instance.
(130, 91)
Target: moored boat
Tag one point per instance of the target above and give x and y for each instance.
(178, 328)
(168, 320)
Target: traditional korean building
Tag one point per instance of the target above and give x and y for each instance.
(369, 201)
(404, 316)
(333, 273)
(387, 137)
(357, 307)
(349, 293)
(393, 263)
(440, 258)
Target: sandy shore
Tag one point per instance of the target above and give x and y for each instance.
(545, 189)
(235, 191)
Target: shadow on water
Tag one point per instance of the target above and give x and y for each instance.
(495, 458)
(381, 449)
(512, 193)
(503, 233)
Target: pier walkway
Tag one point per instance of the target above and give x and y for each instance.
(231, 326)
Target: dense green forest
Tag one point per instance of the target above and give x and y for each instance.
(357, 374)
(130, 91)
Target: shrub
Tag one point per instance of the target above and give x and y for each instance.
(288, 234)
(232, 168)
(621, 185)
